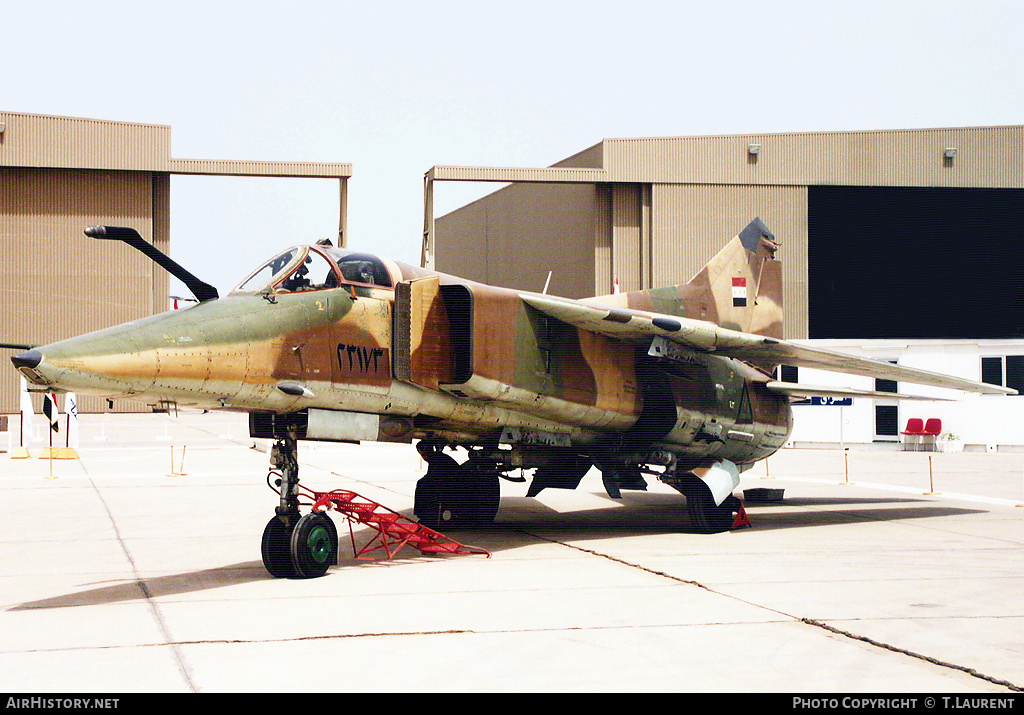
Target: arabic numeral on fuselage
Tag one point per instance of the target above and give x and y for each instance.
(359, 358)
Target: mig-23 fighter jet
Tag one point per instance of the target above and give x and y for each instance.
(321, 343)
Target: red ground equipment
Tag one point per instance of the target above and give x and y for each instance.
(394, 530)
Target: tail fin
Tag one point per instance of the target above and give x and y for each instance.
(740, 288)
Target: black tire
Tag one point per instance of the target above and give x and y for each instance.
(426, 504)
(705, 515)
(480, 495)
(470, 500)
(276, 550)
(314, 545)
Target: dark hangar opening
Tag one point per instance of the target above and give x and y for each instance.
(898, 262)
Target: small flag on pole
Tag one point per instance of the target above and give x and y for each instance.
(70, 450)
(71, 408)
(27, 413)
(50, 410)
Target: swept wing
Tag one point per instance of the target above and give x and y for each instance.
(800, 390)
(641, 326)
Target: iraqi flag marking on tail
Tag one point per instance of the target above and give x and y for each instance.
(50, 410)
(739, 292)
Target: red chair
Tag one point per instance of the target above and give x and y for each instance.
(915, 429)
(932, 429)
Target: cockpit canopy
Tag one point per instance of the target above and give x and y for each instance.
(310, 268)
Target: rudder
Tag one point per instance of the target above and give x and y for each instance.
(740, 288)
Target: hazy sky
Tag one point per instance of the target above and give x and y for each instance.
(396, 87)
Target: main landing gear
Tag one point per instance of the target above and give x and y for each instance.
(452, 495)
(296, 546)
(706, 516)
(709, 518)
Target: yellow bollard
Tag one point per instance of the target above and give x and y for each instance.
(931, 478)
(846, 467)
(181, 473)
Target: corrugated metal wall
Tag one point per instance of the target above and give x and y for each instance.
(603, 270)
(669, 203)
(691, 223)
(33, 140)
(986, 157)
(307, 170)
(161, 238)
(55, 281)
(627, 236)
(61, 174)
(515, 236)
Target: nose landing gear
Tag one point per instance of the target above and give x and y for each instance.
(296, 546)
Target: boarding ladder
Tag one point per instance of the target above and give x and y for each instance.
(394, 530)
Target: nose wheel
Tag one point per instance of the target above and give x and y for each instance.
(276, 549)
(305, 551)
(294, 546)
(314, 545)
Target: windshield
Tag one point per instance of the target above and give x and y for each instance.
(305, 268)
(269, 272)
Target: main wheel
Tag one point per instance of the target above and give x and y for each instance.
(426, 500)
(314, 545)
(276, 549)
(469, 500)
(706, 516)
(481, 495)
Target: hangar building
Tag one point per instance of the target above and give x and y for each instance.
(904, 245)
(61, 174)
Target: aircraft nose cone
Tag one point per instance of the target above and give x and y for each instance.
(29, 359)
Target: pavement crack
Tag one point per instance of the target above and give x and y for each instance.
(895, 649)
(624, 562)
(808, 621)
(141, 584)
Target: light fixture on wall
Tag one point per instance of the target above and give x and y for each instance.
(753, 149)
(950, 152)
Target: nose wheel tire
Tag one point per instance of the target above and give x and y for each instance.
(276, 549)
(314, 545)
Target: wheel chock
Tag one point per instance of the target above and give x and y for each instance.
(741, 519)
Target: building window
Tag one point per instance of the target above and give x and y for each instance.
(882, 385)
(887, 421)
(1006, 371)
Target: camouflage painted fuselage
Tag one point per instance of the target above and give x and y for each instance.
(430, 356)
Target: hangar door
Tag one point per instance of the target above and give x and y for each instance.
(900, 262)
